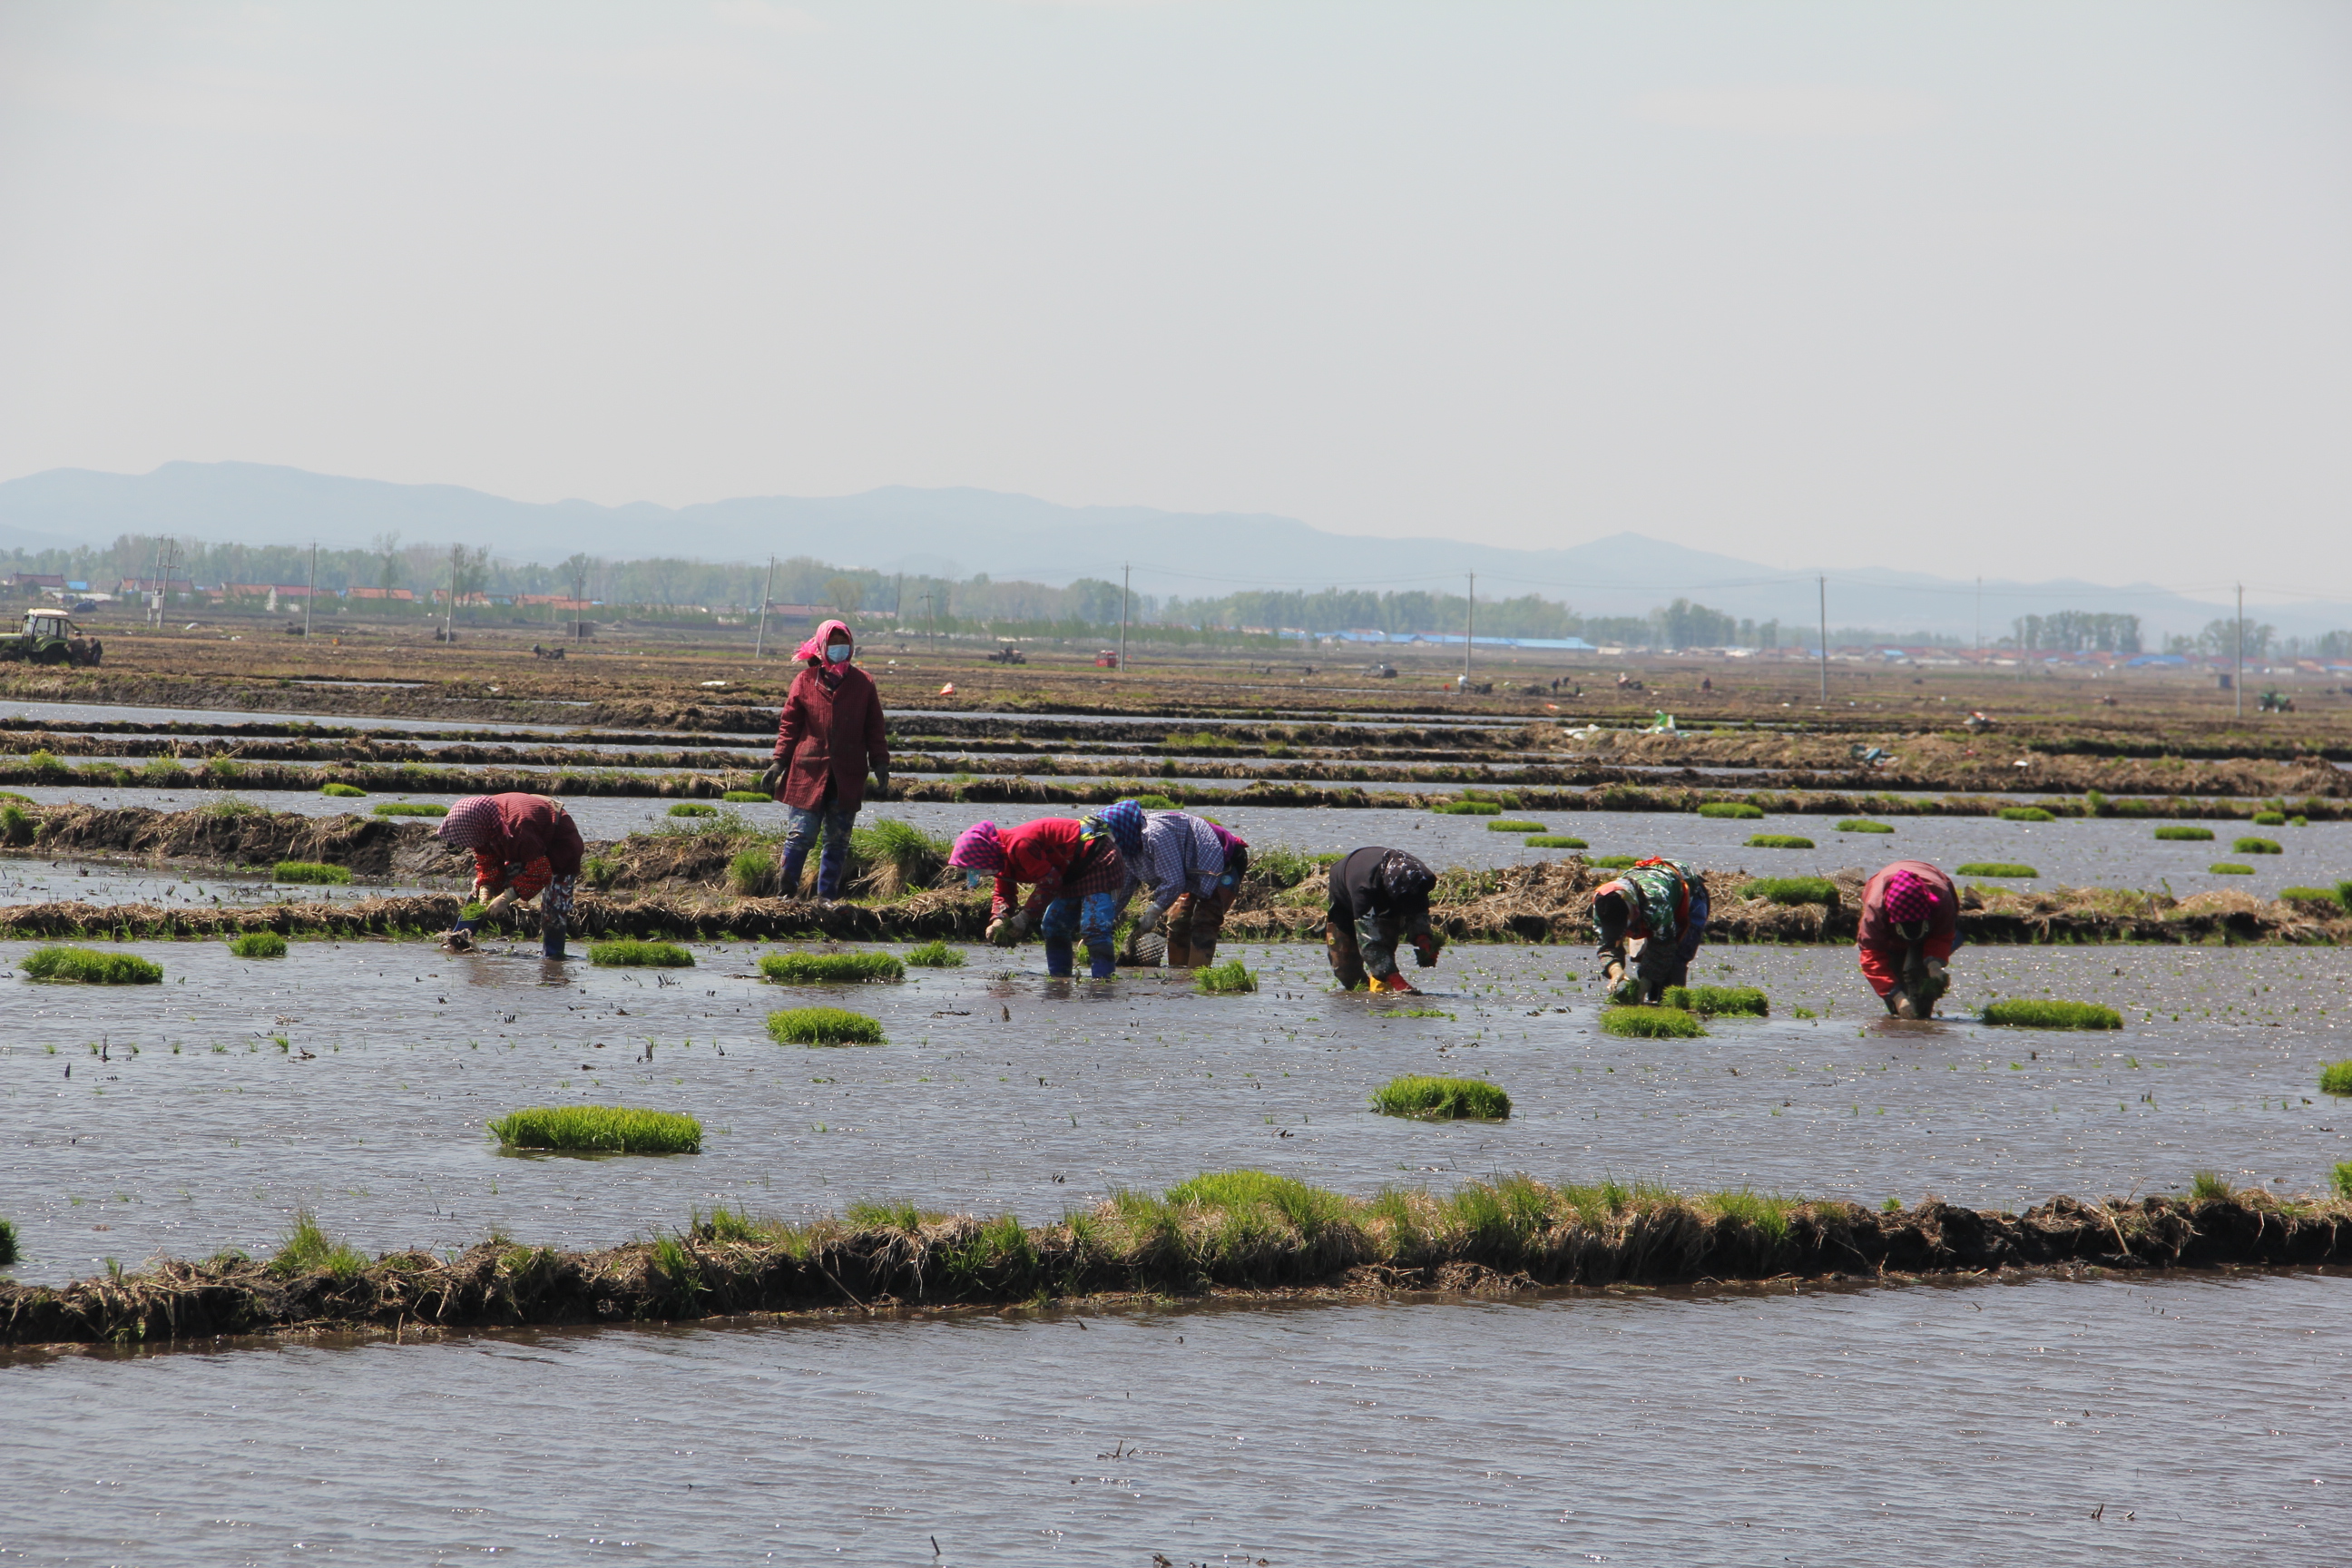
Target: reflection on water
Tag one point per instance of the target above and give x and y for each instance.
(2169, 1421)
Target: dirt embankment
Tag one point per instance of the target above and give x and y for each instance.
(964, 1262)
(370, 846)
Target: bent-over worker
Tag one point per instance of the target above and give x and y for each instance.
(1075, 879)
(830, 732)
(525, 847)
(1380, 896)
(1650, 921)
(1910, 924)
(1191, 869)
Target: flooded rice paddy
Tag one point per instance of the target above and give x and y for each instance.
(2158, 1422)
(355, 1078)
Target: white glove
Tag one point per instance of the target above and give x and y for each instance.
(1152, 918)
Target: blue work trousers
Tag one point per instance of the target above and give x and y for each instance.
(801, 828)
(1090, 916)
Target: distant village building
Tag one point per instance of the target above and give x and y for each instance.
(401, 595)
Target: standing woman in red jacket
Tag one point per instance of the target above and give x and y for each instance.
(831, 733)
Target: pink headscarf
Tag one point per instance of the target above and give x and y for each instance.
(814, 647)
(1908, 898)
(472, 823)
(977, 848)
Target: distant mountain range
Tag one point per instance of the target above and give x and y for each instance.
(958, 532)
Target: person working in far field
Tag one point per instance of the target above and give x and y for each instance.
(1191, 869)
(1075, 877)
(830, 733)
(525, 847)
(1650, 921)
(1910, 924)
(1380, 896)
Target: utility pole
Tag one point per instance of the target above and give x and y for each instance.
(1125, 573)
(309, 593)
(449, 621)
(2241, 681)
(1979, 614)
(760, 642)
(1469, 629)
(1824, 584)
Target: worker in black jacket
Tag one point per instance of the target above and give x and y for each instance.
(1380, 896)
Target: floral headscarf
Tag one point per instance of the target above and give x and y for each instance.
(977, 848)
(472, 824)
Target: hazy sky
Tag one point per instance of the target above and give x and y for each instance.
(2020, 289)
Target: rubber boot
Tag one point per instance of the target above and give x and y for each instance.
(1102, 962)
(550, 940)
(1060, 956)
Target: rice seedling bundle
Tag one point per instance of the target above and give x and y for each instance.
(824, 1027)
(257, 944)
(1779, 841)
(1441, 1098)
(2182, 833)
(2257, 847)
(830, 968)
(2270, 819)
(2336, 1077)
(935, 955)
(1862, 825)
(1226, 979)
(1467, 808)
(410, 809)
(1511, 825)
(1612, 862)
(2025, 814)
(747, 797)
(2228, 869)
(342, 791)
(1716, 1001)
(694, 808)
(1556, 841)
(1996, 868)
(639, 955)
(1651, 1022)
(1733, 808)
(1156, 801)
(2027, 1013)
(601, 1129)
(1792, 890)
(90, 967)
(308, 871)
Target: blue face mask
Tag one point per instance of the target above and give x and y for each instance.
(977, 878)
(838, 652)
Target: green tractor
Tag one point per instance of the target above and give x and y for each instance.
(51, 638)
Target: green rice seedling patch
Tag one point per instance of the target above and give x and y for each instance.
(1512, 825)
(9, 1252)
(1156, 801)
(230, 808)
(2270, 819)
(1441, 1098)
(2211, 1184)
(1226, 979)
(1732, 808)
(2336, 1077)
(898, 857)
(831, 968)
(694, 808)
(2181, 833)
(2025, 814)
(599, 1129)
(1792, 890)
(2318, 901)
(342, 791)
(639, 955)
(1612, 862)
(886, 1213)
(1716, 1001)
(308, 1249)
(90, 967)
(308, 871)
(1996, 868)
(2344, 1179)
(1651, 1022)
(2257, 847)
(1414, 1012)
(824, 1027)
(410, 809)
(2228, 869)
(1467, 808)
(257, 944)
(1557, 841)
(1768, 1212)
(2028, 1013)
(935, 955)
(1779, 841)
(752, 871)
(1310, 1209)
(747, 797)
(1863, 824)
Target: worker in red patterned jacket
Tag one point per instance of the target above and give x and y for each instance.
(1075, 877)
(1910, 924)
(525, 847)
